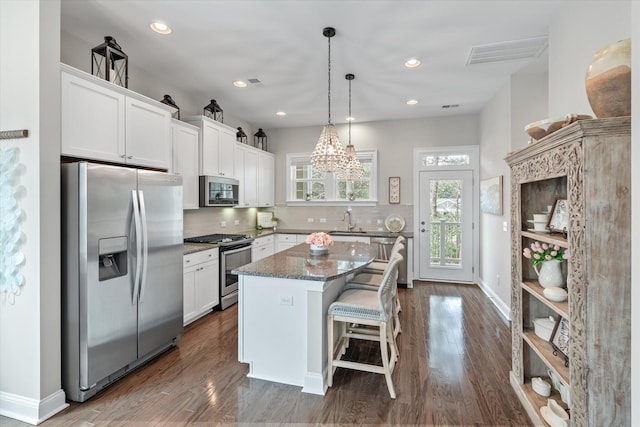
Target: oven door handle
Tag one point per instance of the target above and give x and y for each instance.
(231, 249)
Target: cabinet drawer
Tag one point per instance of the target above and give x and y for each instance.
(200, 257)
(263, 241)
(286, 238)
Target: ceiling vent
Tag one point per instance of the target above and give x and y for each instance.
(451, 106)
(507, 51)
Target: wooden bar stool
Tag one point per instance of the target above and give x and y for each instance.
(373, 309)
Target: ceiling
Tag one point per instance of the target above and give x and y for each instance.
(281, 44)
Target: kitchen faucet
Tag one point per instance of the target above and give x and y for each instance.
(350, 226)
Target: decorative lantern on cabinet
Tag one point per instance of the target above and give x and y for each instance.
(260, 140)
(213, 111)
(109, 62)
(241, 136)
(169, 101)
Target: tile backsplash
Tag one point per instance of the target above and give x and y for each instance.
(317, 218)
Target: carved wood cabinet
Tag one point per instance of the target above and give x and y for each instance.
(588, 164)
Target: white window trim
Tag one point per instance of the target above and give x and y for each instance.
(362, 154)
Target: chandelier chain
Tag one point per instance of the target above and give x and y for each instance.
(329, 79)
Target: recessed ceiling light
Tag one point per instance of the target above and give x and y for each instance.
(239, 83)
(412, 63)
(160, 28)
(412, 102)
(281, 113)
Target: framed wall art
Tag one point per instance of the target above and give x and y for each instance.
(394, 189)
(491, 195)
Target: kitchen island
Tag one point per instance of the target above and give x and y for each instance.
(282, 309)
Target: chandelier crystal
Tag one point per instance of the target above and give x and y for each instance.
(329, 155)
(353, 168)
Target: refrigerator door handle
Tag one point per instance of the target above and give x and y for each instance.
(138, 231)
(145, 245)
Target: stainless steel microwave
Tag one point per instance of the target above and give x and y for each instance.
(218, 191)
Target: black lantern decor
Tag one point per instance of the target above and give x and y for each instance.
(260, 140)
(241, 136)
(109, 62)
(169, 101)
(213, 111)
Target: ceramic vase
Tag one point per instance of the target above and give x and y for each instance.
(550, 273)
(608, 80)
(318, 250)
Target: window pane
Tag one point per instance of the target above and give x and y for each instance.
(361, 189)
(301, 172)
(446, 160)
(317, 191)
(446, 209)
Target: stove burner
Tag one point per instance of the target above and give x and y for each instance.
(217, 238)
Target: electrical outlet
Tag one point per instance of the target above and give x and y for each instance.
(323, 219)
(505, 226)
(236, 222)
(223, 223)
(286, 300)
(309, 219)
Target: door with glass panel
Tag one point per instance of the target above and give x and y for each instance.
(445, 232)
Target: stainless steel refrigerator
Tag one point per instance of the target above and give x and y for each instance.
(121, 272)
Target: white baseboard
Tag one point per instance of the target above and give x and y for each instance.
(29, 410)
(503, 308)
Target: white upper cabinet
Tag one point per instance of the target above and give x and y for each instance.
(266, 179)
(185, 139)
(217, 145)
(102, 121)
(148, 134)
(246, 171)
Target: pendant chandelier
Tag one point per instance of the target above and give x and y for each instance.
(353, 168)
(329, 156)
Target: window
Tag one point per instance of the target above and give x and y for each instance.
(308, 186)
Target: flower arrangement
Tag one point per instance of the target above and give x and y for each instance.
(541, 252)
(319, 239)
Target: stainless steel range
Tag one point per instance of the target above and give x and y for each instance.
(235, 251)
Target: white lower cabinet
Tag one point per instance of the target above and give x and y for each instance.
(361, 239)
(286, 241)
(262, 247)
(201, 284)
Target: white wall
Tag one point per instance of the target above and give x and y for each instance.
(394, 140)
(576, 34)
(521, 101)
(30, 387)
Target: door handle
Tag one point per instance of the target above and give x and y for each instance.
(145, 245)
(423, 230)
(138, 231)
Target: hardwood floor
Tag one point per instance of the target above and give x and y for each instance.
(455, 357)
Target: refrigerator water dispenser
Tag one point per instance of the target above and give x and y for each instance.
(112, 258)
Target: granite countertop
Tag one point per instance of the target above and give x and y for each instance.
(298, 263)
(366, 233)
(190, 248)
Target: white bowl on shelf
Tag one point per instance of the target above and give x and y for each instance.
(556, 294)
(541, 387)
(543, 327)
(544, 217)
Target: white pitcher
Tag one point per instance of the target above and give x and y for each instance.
(550, 273)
